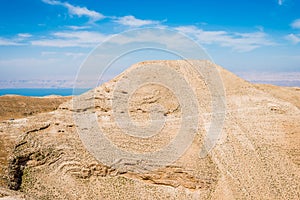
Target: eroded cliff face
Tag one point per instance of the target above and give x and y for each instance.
(256, 157)
(14, 107)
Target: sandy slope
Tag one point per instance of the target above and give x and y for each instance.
(14, 106)
(257, 157)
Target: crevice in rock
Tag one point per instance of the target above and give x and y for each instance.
(15, 170)
(38, 129)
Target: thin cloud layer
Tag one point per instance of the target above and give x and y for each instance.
(296, 24)
(238, 41)
(71, 39)
(6, 42)
(134, 22)
(295, 39)
(70, 54)
(78, 27)
(18, 40)
(24, 35)
(77, 10)
(241, 42)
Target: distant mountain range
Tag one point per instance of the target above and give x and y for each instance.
(291, 79)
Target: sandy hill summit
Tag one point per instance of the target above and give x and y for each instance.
(256, 156)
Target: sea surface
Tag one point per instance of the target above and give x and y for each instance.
(40, 92)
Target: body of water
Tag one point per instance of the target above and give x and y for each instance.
(40, 92)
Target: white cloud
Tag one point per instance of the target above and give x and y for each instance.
(12, 41)
(48, 53)
(56, 43)
(89, 39)
(134, 22)
(17, 40)
(280, 2)
(71, 39)
(82, 36)
(24, 35)
(238, 41)
(296, 24)
(74, 55)
(78, 27)
(156, 38)
(83, 11)
(8, 42)
(295, 39)
(52, 2)
(76, 10)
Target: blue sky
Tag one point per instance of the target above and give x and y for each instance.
(49, 39)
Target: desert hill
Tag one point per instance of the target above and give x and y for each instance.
(256, 157)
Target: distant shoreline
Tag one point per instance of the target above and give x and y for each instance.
(42, 92)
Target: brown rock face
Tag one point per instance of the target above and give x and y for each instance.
(256, 157)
